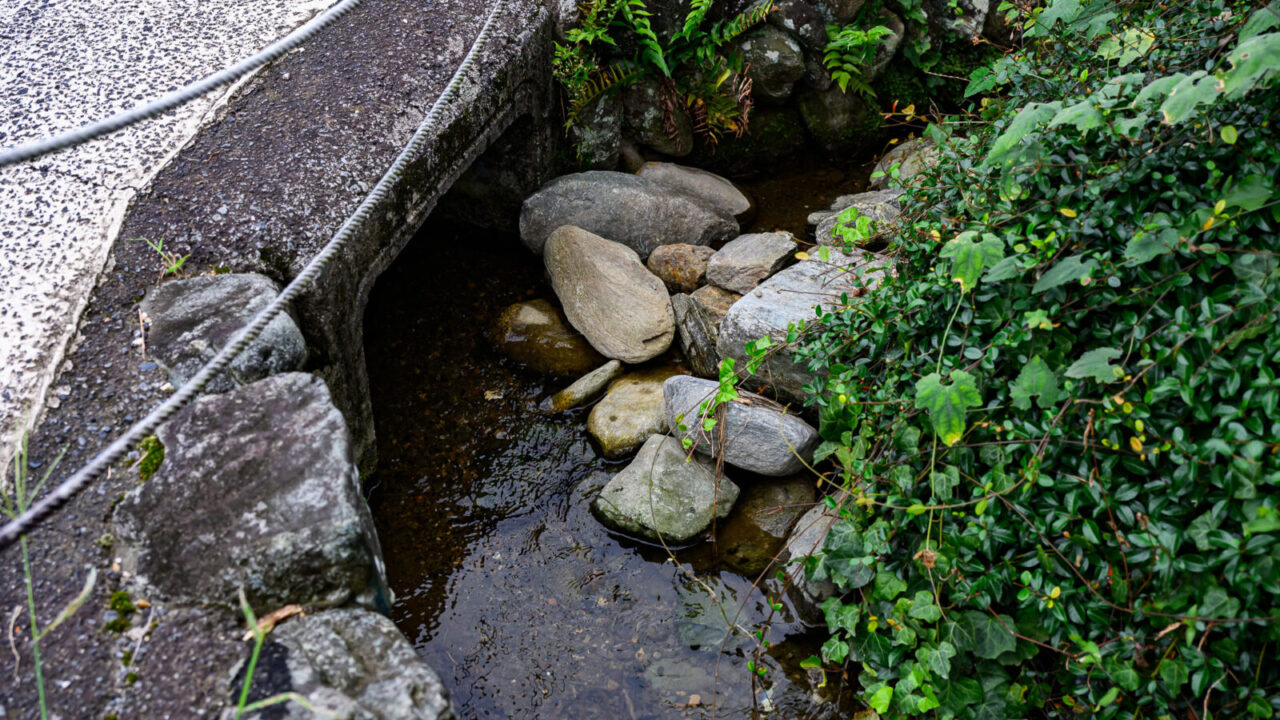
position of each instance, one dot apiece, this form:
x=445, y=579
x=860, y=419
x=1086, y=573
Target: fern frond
x=616, y=75
x=698, y=10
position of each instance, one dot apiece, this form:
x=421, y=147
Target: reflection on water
x=505, y=583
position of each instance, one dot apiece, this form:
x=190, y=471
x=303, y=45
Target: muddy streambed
x=506, y=584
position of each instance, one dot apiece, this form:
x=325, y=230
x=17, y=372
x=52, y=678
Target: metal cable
x=68, y=489
x=181, y=96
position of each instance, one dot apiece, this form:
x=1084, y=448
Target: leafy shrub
x=1058, y=425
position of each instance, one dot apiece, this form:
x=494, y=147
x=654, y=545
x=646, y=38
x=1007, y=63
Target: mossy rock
x=773, y=133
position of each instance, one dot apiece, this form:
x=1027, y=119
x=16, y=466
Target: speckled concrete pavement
x=64, y=63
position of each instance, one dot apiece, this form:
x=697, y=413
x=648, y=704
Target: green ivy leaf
x=937, y=659
x=970, y=256
x=947, y=404
x=923, y=607
x=981, y=634
x=1261, y=21
x=1036, y=379
x=1096, y=364
x=959, y=694
x=1173, y=673
x=888, y=586
x=1075, y=268
x=1148, y=245
x=835, y=650
x=879, y=700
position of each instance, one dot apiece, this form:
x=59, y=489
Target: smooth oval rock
x=717, y=192
x=682, y=268
x=631, y=410
x=622, y=308
x=748, y=259
x=635, y=211
x=660, y=496
x=759, y=435
x=789, y=297
x=537, y=335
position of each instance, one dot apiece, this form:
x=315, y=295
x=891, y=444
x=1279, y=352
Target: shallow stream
x=506, y=584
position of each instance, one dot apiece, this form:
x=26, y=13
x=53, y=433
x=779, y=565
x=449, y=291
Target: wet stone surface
x=506, y=584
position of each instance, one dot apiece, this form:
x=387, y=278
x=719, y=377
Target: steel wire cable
x=181, y=96
x=66, y=490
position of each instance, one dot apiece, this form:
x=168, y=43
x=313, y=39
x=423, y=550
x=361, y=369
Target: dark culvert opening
x=506, y=583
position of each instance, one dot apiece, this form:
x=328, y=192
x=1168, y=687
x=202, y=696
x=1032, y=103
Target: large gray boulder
x=838, y=12
x=882, y=206
x=643, y=119
x=748, y=259
x=630, y=412
x=638, y=212
x=711, y=189
x=661, y=496
x=773, y=61
x=698, y=317
x=789, y=298
x=192, y=319
x=350, y=663
x=759, y=435
x=612, y=299
x=258, y=489
x=807, y=539
x=888, y=46
x=910, y=158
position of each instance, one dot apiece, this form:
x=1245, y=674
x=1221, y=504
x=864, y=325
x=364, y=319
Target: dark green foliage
x=1059, y=424
x=124, y=608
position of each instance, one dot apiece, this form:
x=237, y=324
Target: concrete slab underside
x=259, y=190
x=64, y=63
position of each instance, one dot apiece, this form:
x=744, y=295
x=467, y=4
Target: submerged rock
x=635, y=211
x=789, y=297
x=759, y=435
x=806, y=539
x=882, y=206
x=622, y=308
x=630, y=412
x=764, y=515
x=682, y=268
x=537, y=335
x=258, y=489
x=192, y=319
x=720, y=194
x=698, y=318
x=773, y=61
x=583, y=389
x=911, y=158
x=745, y=261
x=351, y=662
x=660, y=496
